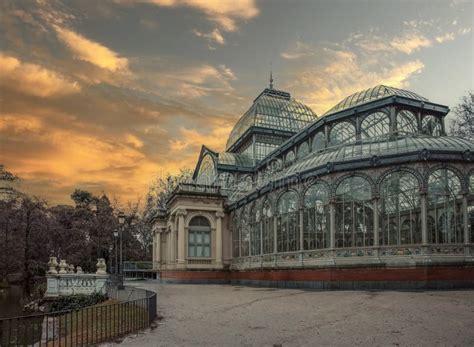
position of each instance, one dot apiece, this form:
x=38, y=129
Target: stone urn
x=101, y=266
x=79, y=270
x=53, y=262
x=70, y=269
x=63, y=266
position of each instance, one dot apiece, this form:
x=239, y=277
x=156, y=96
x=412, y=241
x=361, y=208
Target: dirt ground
x=225, y=315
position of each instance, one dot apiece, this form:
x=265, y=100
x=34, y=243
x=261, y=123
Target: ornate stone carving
x=220, y=214
x=62, y=266
x=53, y=263
x=101, y=266
x=181, y=212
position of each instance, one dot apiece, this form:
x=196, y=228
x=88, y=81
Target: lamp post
x=116, y=234
x=121, y=220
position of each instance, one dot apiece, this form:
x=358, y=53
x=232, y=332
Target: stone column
x=465, y=220
x=181, y=213
x=219, y=216
x=158, y=247
x=375, y=203
x=332, y=224
x=424, y=218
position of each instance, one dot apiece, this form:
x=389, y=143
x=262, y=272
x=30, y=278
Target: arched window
x=267, y=226
x=319, y=142
x=288, y=222
x=303, y=150
x=290, y=158
x=207, y=171
x=406, y=122
x=399, y=207
x=445, y=207
x=375, y=125
x=342, y=132
x=226, y=180
x=316, y=217
x=431, y=125
x=354, y=213
x=254, y=225
x=245, y=233
x=235, y=236
x=199, y=238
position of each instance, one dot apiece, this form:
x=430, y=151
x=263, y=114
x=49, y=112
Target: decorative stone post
x=52, y=265
x=181, y=213
x=62, y=266
x=219, y=216
x=79, y=270
x=101, y=267
x=158, y=247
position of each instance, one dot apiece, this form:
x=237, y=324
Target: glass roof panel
x=371, y=94
x=276, y=110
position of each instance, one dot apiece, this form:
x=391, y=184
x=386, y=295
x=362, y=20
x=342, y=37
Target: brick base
x=422, y=277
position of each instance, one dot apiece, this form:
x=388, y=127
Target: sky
x=108, y=95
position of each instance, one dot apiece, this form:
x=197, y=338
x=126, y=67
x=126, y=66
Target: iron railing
x=129, y=310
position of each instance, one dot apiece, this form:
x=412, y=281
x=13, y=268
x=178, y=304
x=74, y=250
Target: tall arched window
x=445, y=207
x=207, y=171
x=354, y=213
x=399, y=207
x=316, y=217
x=342, y=132
x=375, y=125
x=288, y=222
x=254, y=224
x=406, y=122
x=235, y=236
x=199, y=238
x=319, y=142
x=267, y=225
x=431, y=125
x=245, y=233
x=303, y=150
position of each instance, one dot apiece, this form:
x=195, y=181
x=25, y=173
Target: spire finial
x=271, y=76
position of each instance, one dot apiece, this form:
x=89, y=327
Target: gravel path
x=224, y=315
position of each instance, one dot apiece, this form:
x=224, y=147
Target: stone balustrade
x=70, y=280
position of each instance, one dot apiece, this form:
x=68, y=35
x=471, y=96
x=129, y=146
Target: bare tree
x=463, y=123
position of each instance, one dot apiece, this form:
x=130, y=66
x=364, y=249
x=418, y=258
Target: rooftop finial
x=271, y=77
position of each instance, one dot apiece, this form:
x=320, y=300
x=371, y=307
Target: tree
x=162, y=187
x=463, y=123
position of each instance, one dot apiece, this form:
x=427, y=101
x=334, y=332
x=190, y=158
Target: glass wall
x=207, y=171
x=342, y=132
x=406, y=122
x=375, y=125
x=288, y=222
x=431, y=125
x=245, y=234
x=254, y=224
x=445, y=224
x=354, y=213
x=316, y=232
x=399, y=207
x=267, y=226
x=303, y=150
x=319, y=142
x=470, y=208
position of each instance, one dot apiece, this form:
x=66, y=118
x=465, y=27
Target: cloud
x=225, y=13
x=445, y=37
x=410, y=43
x=299, y=51
x=213, y=36
x=33, y=79
x=406, y=43
x=134, y=141
x=91, y=52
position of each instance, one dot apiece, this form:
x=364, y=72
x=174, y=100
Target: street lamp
x=121, y=220
x=116, y=234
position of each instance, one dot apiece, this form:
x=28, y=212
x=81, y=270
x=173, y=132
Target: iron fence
x=128, y=310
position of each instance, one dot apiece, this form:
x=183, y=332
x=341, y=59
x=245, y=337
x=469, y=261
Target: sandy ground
x=224, y=315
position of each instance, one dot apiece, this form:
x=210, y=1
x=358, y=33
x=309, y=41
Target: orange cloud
x=92, y=52
x=33, y=79
x=225, y=13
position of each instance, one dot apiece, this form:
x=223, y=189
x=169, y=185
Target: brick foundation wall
x=422, y=277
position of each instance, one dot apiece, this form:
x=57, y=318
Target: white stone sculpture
x=101, y=266
x=53, y=263
x=63, y=266
x=79, y=270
